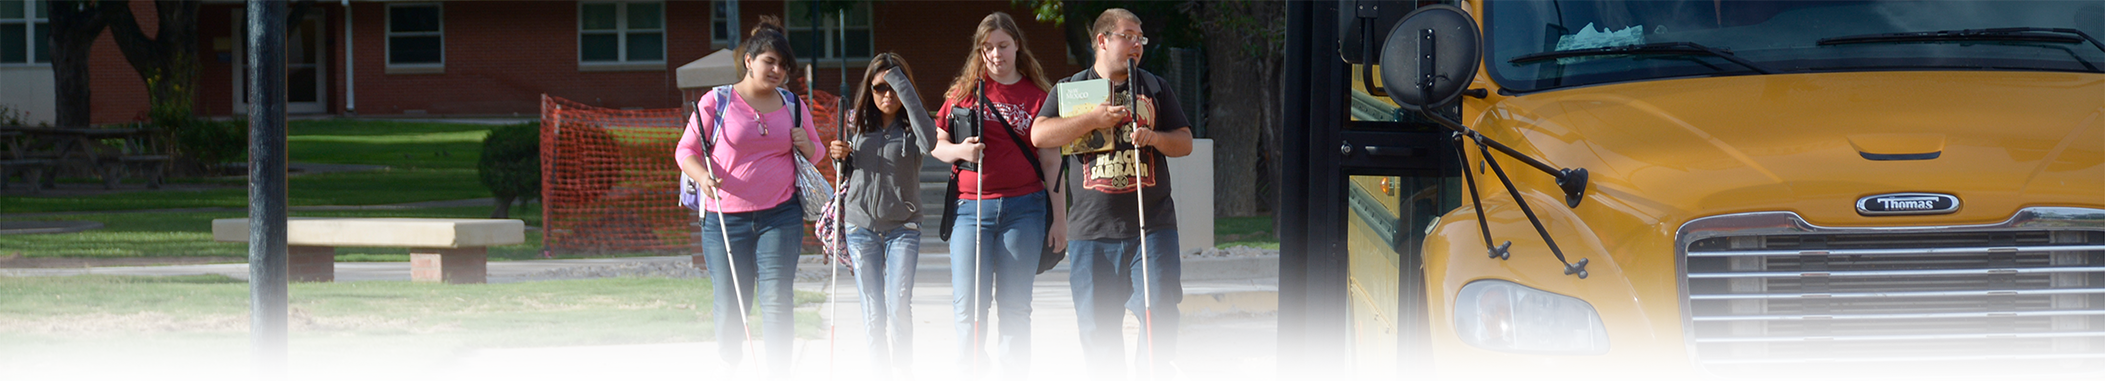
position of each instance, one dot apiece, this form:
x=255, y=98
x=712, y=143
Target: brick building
x=496, y=58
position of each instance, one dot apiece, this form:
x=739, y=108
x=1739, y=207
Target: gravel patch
x=634, y=269
x=663, y=270
x=1231, y=252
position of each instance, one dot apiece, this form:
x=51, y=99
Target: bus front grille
x=1768, y=295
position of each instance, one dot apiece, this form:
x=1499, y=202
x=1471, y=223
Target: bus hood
x=1816, y=143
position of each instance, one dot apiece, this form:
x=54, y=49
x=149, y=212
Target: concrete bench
x=440, y=249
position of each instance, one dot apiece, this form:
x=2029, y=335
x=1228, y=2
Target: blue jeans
x=764, y=245
x=884, y=277
x=1014, y=232
x=1106, y=280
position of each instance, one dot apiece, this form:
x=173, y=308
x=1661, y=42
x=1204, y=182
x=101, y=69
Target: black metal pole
x=1292, y=220
x=1329, y=85
x=818, y=39
x=267, y=276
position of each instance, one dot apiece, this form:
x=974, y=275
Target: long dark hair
x=868, y=118
x=767, y=37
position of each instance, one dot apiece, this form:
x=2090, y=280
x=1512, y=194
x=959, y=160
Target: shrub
x=511, y=165
x=203, y=144
x=210, y=143
x=10, y=116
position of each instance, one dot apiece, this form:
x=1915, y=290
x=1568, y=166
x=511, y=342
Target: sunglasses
x=881, y=88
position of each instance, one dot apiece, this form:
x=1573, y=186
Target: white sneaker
x=725, y=371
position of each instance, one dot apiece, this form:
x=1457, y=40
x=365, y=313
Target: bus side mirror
x=1430, y=57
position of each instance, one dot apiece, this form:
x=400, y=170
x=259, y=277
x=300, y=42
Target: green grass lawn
x=1245, y=231
x=49, y=312
x=427, y=162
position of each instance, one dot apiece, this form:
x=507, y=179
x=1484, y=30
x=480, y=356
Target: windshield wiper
x=2055, y=35
x=2026, y=34
x=1660, y=48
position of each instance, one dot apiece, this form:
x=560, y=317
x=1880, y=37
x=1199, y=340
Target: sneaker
x=725, y=373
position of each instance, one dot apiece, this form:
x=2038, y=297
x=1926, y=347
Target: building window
x=855, y=36
x=25, y=30
x=621, y=32
x=416, y=35
x=720, y=24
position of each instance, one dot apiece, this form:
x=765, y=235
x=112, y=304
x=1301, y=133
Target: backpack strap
x=796, y=113
x=722, y=100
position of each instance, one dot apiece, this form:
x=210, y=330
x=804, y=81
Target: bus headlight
x=1508, y=317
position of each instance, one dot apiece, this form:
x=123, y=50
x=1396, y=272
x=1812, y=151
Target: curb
x=46, y=227
x=1229, y=303
x=1233, y=268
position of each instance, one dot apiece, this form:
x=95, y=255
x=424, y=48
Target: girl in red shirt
x=1004, y=212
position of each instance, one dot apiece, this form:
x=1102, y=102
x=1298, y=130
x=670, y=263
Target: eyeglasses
x=881, y=89
x=1143, y=40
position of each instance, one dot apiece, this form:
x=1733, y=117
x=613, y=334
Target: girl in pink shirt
x=748, y=187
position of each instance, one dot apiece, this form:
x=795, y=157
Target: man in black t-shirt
x=1105, y=223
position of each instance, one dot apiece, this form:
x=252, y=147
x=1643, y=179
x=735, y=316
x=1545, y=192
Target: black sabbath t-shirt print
x=1113, y=172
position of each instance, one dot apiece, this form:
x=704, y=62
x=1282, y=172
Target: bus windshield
x=1544, y=45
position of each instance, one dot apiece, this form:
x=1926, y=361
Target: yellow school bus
x=1699, y=190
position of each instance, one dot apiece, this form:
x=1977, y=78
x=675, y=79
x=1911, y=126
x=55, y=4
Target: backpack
x=691, y=193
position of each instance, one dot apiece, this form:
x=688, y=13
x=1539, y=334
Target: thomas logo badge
x=1907, y=204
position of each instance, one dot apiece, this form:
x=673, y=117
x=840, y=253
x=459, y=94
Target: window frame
x=388, y=29
x=830, y=32
x=32, y=21
x=622, y=33
x=720, y=24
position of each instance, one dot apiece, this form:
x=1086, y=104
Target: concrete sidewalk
x=1229, y=330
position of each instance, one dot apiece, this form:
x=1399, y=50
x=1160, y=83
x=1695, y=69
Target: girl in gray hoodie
x=888, y=134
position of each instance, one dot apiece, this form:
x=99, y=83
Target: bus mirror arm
x=1571, y=180
x=1428, y=61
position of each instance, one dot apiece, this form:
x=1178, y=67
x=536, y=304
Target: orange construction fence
x=609, y=183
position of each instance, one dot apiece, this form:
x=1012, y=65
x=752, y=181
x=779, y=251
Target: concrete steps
x=935, y=176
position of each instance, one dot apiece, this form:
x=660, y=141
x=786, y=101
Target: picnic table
x=110, y=153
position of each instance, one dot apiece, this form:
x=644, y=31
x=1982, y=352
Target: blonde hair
x=975, y=69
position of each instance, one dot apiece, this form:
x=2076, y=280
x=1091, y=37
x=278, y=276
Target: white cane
x=722, y=227
x=833, y=276
x=1147, y=300
x=832, y=265
x=979, y=176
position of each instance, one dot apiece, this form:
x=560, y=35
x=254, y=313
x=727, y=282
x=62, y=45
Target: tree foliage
x=1164, y=24
x=510, y=165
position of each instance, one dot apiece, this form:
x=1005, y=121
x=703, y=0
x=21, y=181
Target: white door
x=306, y=65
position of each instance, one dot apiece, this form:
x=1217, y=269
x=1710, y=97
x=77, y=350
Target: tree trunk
x=1243, y=113
x=1234, y=121
x=1077, y=17
x=504, y=207
x=1268, y=139
x=167, y=60
x=74, y=26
